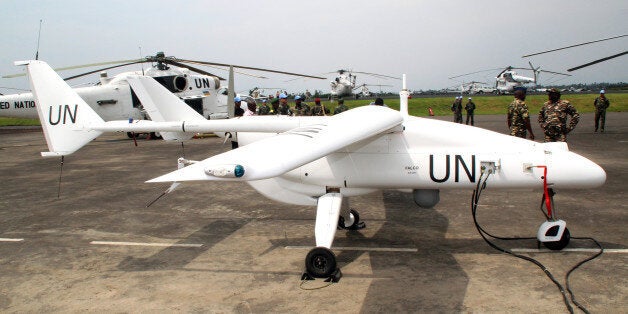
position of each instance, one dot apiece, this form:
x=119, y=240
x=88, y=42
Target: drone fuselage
x=416, y=158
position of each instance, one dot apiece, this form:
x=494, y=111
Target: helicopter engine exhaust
x=180, y=83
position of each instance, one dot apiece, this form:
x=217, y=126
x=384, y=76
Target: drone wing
x=286, y=151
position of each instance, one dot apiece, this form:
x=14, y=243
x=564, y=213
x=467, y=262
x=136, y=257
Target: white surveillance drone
x=322, y=161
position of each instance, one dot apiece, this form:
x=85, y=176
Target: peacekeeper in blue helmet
x=238, y=111
x=300, y=108
x=284, y=109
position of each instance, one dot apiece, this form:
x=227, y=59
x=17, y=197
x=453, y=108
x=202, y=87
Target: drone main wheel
x=560, y=244
x=320, y=262
x=356, y=220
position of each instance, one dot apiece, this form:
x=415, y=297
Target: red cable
x=548, y=204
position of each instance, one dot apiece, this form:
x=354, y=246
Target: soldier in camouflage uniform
x=274, y=106
x=264, y=109
x=518, y=117
x=341, y=107
x=284, y=109
x=553, y=117
x=600, y=103
x=300, y=108
x=456, y=107
x=470, y=108
x=318, y=109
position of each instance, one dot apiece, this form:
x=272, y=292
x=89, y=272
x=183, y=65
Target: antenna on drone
x=38, y=36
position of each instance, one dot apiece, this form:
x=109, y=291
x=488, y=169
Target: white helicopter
x=321, y=161
x=344, y=84
x=364, y=90
x=508, y=78
x=113, y=99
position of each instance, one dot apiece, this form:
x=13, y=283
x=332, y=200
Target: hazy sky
x=427, y=40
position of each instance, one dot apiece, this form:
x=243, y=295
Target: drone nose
x=570, y=170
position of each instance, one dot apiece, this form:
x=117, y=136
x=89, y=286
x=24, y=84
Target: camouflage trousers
x=555, y=134
x=518, y=131
x=600, y=119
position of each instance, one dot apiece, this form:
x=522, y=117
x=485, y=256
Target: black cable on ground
x=573, y=298
x=481, y=185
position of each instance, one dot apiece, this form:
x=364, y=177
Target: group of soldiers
x=279, y=106
x=557, y=117
x=456, y=107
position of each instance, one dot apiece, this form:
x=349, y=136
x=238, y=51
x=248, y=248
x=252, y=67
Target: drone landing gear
x=353, y=223
x=553, y=233
x=320, y=262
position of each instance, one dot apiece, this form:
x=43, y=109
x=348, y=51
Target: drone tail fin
x=163, y=106
x=65, y=117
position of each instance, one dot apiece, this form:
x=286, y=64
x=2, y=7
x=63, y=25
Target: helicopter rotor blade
x=85, y=66
x=183, y=65
x=102, y=69
x=239, y=72
x=504, y=70
x=582, y=44
x=99, y=64
x=378, y=75
x=552, y=72
x=453, y=77
x=597, y=61
x=18, y=89
x=250, y=68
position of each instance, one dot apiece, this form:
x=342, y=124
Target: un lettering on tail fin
x=62, y=114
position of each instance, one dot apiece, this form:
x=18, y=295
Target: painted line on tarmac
x=11, y=240
x=356, y=248
x=146, y=244
x=592, y=250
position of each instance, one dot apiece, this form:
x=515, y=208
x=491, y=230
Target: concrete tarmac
x=222, y=247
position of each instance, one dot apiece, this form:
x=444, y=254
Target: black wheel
x=356, y=220
x=130, y=134
x=560, y=244
x=320, y=262
x=155, y=135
